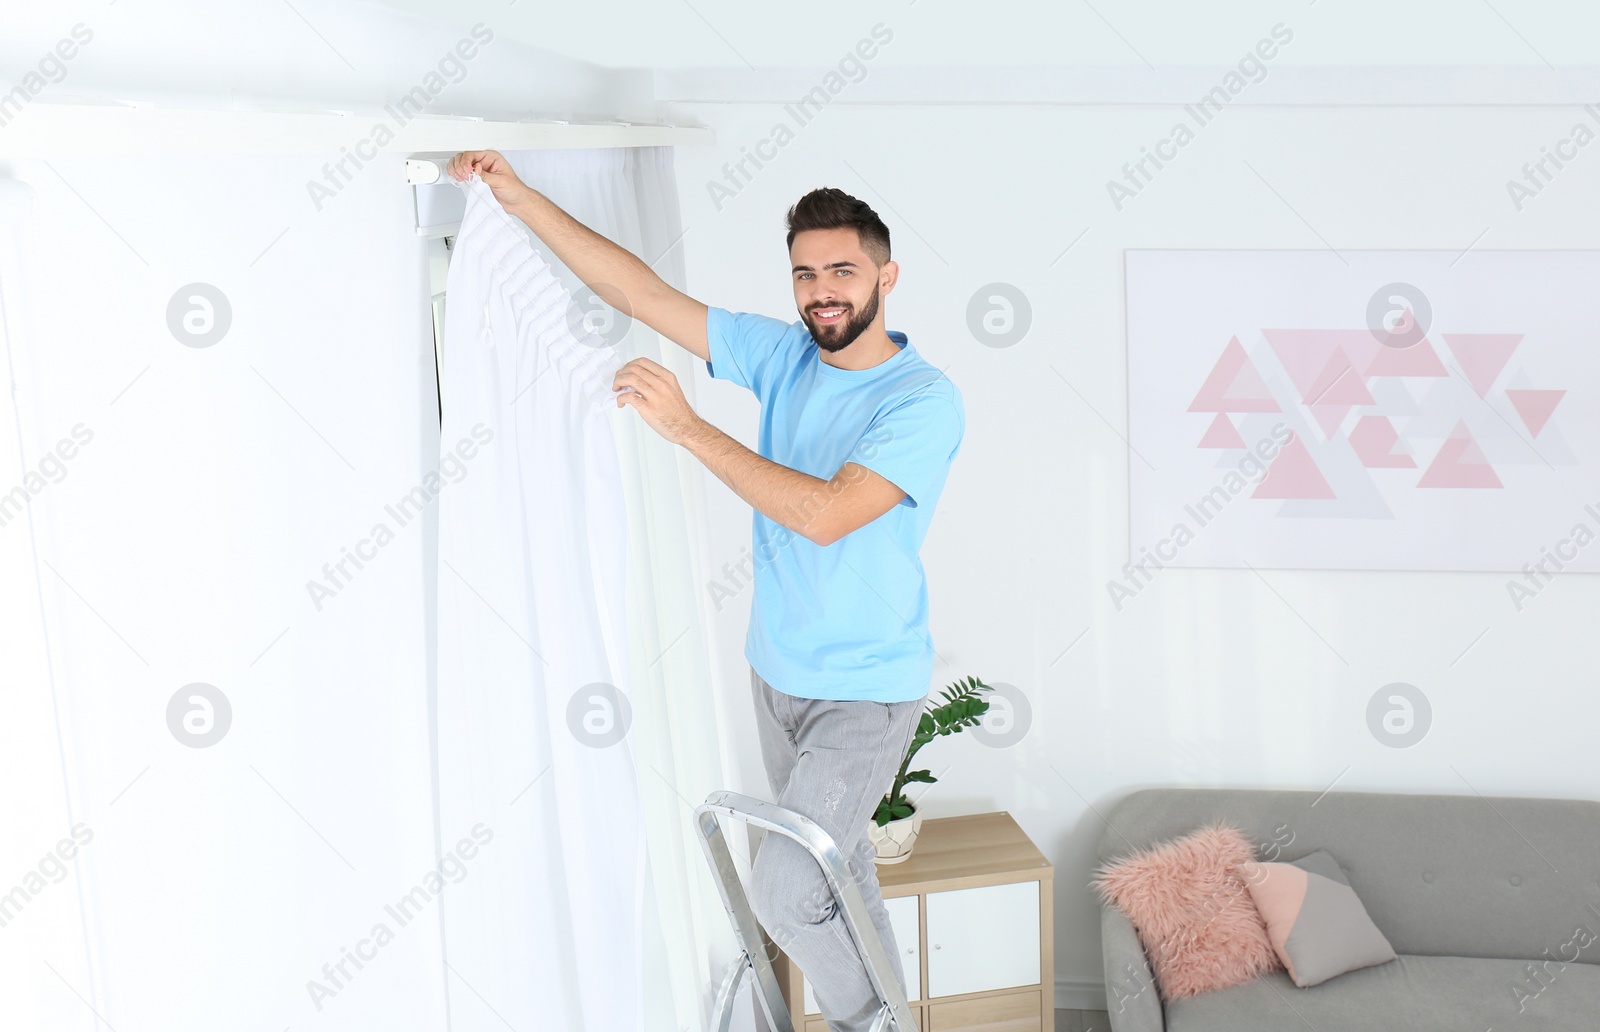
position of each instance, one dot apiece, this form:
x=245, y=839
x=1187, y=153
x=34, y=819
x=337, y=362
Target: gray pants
x=831, y=761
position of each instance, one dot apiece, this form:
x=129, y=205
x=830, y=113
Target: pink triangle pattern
x=1373, y=438
x=1293, y=474
x=1306, y=353
x=1419, y=359
x=1482, y=356
x=1222, y=434
x=1404, y=327
x=1460, y=463
x=1329, y=417
x=1534, y=406
x=1338, y=383
x=1234, y=385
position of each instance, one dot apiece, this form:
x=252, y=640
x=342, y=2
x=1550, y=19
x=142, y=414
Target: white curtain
x=221, y=485
x=532, y=683
x=248, y=841
x=576, y=714
x=34, y=805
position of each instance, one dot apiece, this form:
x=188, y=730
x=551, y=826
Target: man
x=857, y=436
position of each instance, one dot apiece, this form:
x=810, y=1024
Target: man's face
x=836, y=286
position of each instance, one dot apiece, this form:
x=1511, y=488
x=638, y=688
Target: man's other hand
x=653, y=390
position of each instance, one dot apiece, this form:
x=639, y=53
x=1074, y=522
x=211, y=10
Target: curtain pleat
x=547, y=931
x=570, y=563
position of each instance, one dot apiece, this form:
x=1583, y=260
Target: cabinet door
x=983, y=938
x=907, y=926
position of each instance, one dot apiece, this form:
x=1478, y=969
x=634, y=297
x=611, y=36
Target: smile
x=827, y=314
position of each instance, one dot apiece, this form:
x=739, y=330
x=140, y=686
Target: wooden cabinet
x=971, y=912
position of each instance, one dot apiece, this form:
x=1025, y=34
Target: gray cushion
x=1331, y=933
x=1416, y=994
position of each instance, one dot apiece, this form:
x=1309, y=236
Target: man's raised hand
x=493, y=168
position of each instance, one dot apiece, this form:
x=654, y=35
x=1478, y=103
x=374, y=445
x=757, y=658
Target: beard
x=840, y=334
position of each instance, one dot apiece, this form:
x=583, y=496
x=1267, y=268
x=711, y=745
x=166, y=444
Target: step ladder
x=895, y=1015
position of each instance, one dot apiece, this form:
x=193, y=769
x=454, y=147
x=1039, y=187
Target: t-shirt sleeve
x=912, y=444
x=745, y=347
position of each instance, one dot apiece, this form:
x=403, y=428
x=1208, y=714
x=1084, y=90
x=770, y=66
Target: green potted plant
x=897, y=822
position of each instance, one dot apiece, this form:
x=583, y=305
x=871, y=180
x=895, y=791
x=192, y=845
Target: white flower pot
x=893, y=841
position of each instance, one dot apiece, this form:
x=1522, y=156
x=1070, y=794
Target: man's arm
x=823, y=511
x=614, y=273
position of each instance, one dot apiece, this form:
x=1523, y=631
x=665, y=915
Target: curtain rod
x=50, y=130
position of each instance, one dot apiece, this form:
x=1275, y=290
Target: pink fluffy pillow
x=1189, y=904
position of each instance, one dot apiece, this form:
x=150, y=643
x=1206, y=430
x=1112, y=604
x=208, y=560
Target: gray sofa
x=1482, y=898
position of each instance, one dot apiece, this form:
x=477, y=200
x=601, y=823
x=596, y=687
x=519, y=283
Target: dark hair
x=829, y=208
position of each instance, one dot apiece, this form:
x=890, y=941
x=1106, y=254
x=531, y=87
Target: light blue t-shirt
x=848, y=620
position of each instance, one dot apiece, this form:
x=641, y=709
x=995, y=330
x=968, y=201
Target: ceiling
x=672, y=34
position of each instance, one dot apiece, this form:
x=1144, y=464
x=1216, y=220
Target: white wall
x=1208, y=677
